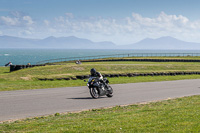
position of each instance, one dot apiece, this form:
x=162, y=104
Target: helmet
x=92, y=71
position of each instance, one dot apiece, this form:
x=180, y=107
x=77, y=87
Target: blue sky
x=119, y=21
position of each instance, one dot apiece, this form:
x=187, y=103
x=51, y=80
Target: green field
x=28, y=78
x=178, y=115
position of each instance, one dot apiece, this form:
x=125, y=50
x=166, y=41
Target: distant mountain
x=70, y=42
x=168, y=43
x=16, y=42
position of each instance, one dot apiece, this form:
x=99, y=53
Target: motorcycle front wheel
x=110, y=90
x=94, y=92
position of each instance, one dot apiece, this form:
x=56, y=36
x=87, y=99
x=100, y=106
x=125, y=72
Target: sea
x=34, y=56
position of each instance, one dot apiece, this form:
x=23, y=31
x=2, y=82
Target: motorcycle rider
x=94, y=73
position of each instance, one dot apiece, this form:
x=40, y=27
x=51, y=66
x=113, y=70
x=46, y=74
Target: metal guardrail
x=118, y=56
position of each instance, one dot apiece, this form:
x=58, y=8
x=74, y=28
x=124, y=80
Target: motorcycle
x=98, y=88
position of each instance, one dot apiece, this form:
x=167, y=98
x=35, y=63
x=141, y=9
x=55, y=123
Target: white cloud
x=122, y=31
x=16, y=20
x=9, y=21
x=28, y=20
x=131, y=28
x=168, y=22
x=164, y=25
x=46, y=22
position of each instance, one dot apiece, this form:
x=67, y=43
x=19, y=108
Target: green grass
x=4, y=70
x=177, y=115
x=27, y=85
x=28, y=78
x=169, y=57
x=71, y=69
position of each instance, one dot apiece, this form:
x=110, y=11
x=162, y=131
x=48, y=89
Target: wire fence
x=118, y=56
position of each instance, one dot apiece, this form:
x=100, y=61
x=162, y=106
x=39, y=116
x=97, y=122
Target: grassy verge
x=28, y=78
x=167, y=57
x=27, y=85
x=153, y=57
x=4, y=70
x=177, y=115
x=71, y=69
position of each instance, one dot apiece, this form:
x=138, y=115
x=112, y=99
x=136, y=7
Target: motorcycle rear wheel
x=94, y=92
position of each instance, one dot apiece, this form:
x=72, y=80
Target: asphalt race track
x=31, y=103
